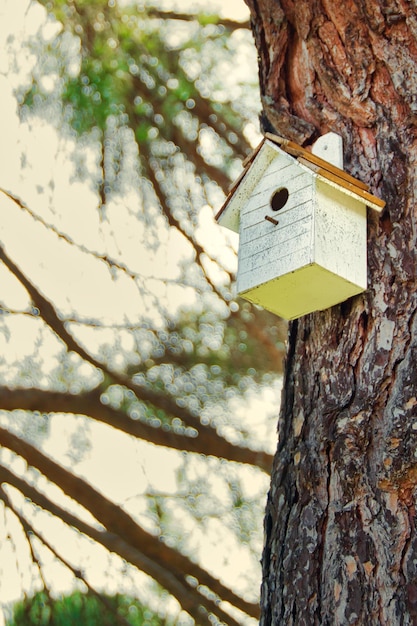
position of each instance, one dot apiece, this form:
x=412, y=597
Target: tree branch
x=28, y=528
x=189, y=598
x=104, y=258
x=201, y=18
x=159, y=400
x=119, y=522
x=172, y=221
x=89, y=404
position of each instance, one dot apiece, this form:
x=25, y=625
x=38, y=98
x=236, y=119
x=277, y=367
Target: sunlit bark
x=340, y=530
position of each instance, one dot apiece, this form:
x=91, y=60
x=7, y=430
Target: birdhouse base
x=310, y=288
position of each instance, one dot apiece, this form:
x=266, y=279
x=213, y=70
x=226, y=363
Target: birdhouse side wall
x=340, y=234
x=268, y=250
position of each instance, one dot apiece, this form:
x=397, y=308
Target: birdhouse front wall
x=265, y=249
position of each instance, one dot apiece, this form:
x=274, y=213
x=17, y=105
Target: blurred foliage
x=155, y=111
x=158, y=76
x=82, y=609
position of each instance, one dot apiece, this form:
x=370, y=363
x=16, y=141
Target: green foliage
x=79, y=609
x=161, y=82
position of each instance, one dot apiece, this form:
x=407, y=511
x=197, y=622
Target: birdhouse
x=302, y=227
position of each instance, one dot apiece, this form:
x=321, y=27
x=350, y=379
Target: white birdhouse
x=302, y=227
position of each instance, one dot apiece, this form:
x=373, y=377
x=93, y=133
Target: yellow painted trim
x=311, y=288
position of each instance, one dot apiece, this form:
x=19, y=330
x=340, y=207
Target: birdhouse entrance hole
x=279, y=198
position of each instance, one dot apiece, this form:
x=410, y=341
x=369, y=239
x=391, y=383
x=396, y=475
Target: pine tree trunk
x=340, y=537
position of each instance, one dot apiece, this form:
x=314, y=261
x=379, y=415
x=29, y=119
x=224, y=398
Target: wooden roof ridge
x=246, y=166
x=327, y=170
x=301, y=153
x=319, y=166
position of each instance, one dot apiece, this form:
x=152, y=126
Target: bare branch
x=104, y=258
x=89, y=404
x=28, y=528
x=166, y=403
x=119, y=522
x=188, y=597
x=186, y=145
x=173, y=222
x=202, y=18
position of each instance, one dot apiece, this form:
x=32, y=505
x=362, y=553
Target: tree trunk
x=340, y=537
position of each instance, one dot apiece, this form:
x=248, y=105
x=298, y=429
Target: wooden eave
x=332, y=174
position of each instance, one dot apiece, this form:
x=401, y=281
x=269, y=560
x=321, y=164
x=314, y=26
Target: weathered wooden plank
x=276, y=235
x=273, y=267
x=262, y=230
x=262, y=202
x=259, y=263
x=286, y=238
x=257, y=216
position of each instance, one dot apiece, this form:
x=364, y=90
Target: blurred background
x=138, y=396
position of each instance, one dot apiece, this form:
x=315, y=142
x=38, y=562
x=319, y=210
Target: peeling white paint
x=386, y=334
x=341, y=423
x=379, y=299
x=392, y=251
x=351, y=566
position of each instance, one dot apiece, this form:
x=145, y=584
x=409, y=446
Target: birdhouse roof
x=270, y=147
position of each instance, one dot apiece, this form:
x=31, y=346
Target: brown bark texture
x=340, y=536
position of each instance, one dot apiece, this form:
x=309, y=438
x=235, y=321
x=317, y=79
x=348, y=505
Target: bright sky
x=234, y=9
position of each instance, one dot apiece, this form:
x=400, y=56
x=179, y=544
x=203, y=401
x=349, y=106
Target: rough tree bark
x=340, y=536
